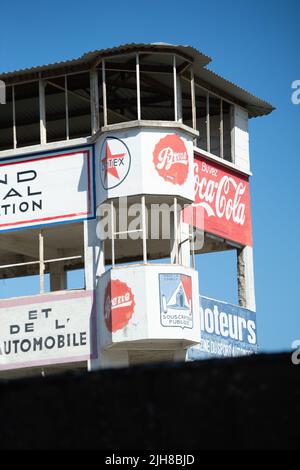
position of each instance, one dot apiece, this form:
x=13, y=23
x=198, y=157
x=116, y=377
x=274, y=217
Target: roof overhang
x=204, y=77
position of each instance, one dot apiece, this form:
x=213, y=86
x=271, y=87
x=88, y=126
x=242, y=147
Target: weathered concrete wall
x=243, y=403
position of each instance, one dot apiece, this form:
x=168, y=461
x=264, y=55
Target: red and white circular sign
x=115, y=162
x=170, y=158
x=119, y=305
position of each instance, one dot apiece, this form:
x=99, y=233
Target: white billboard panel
x=46, y=189
x=47, y=329
x=148, y=303
x=144, y=161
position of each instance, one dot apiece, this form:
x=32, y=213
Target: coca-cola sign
x=170, y=158
x=223, y=196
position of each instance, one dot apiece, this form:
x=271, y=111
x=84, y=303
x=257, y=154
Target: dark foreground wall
x=243, y=403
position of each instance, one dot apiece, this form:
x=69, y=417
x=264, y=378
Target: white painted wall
x=240, y=139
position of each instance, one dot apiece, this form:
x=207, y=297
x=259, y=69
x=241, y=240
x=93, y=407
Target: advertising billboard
x=46, y=189
x=226, y=331
x=47, y=329
x=144, y=161
x=223, y=197
x=140, y=304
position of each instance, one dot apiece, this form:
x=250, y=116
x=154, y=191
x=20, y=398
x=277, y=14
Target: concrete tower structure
x=122, y=166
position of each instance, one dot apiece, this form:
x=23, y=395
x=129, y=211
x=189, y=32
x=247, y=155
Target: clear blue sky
x=253, y=43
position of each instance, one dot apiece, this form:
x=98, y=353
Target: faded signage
x=170, y=158
x=226, y=331
x=144, y=161
x=41, y=190
x=115, y=162
x=176, y=308
x=139, y=304
x=119, y=305
x=48, y=329
x=223, y=196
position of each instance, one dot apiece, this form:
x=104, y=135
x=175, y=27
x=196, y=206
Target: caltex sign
x=142, y=160
x=115, y=162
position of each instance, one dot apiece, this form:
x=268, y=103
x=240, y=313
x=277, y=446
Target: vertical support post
x=43, y=132
x=221, y=130
x=67, y=108
x=14, y=117
x=174, y=234
x=92, y=267
x=144, y=229
x=179, y=100
x=42, y=262
x=207, y=122
x=92, y=254
x=112, y=224
x=184, y=238
x=193, y=97
x=138, y=87
x=58, y=277
x=232, y=132
x=192, y=237
x=94, y=101
x=104, y=93
x=246, y=288
x=175, y=88
x=176, y=229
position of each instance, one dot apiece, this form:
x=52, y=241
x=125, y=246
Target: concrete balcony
x=145, y=158
x=152, y=306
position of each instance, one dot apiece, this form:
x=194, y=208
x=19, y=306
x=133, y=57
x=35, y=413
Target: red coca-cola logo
x=171, y=160
x=222, y=198
x=222, y=201
x=119, y=305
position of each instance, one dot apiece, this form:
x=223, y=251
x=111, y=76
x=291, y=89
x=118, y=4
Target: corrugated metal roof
x=254, y=105
x=88, y=57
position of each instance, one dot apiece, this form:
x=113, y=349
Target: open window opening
x=157, y=86
x=6, y=121
x=138, y=86
x=68, y=110
x=217, y=268
x=36, y=261
x=20, y=116
x=139, y=230
x=119, y=89
x=214, y=123
x=186, y=90
x=27, y=114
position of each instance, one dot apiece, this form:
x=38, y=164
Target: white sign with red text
x=223, y=196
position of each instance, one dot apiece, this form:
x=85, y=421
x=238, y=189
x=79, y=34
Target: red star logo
x=108, y=163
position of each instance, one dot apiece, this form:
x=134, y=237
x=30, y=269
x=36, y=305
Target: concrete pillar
x=58, y=277
x=179, y=99
x=246, y=288
x=180, y=355
x=175, y=232
x=94, y=101
x=114, y=358
x=94, y=267
x=185, y=245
